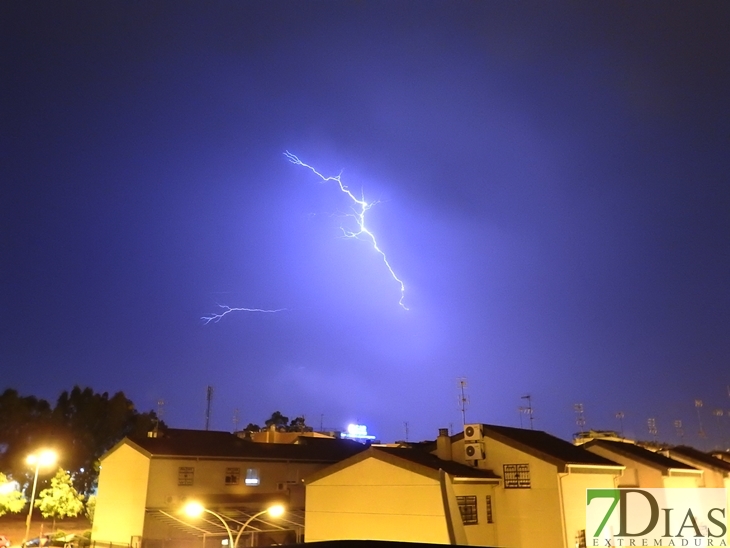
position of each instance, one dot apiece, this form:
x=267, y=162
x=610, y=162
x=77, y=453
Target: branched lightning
x=227, y=310
x=360, y=209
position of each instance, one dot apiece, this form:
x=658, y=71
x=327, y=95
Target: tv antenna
x=527, y=410
x=620, y=416
x=580, y=418
x=463, y=398
x=208, y=402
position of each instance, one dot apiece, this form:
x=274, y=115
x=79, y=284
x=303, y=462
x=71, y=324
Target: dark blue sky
x=554, y=186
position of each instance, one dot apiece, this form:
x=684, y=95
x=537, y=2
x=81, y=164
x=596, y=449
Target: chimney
x=443, y=444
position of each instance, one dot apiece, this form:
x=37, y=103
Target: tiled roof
x=690, y=453
x=633, y=451
x=545, y=446
x=431, y=461
x=213, y=444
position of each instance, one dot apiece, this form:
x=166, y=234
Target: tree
x=11, y=500
x=81, y=428
x=298, y=424
x=90, y=508
x=60, y=500
x=278, y=420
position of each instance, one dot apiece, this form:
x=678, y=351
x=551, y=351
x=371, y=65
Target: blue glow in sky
x=552, y=187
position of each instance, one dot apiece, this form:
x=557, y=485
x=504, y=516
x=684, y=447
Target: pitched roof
x=428, y=460
x=636, y=452
x=414, y=460
x=213, y=444
x=545, y=446
x=692, y=454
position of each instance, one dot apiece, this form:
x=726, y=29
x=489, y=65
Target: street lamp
x=194, y=509
x=43, y=458
x=274, y=511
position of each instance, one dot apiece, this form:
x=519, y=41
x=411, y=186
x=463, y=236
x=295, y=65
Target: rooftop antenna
x=620, y=416
x=580, y=418
x=651, y=423
x=678, y=428
x=160, y=412
x=405, y=424
x=463, y=398
x=698, y=406
x=527, y=410
x=236, y=420
x=208, y=400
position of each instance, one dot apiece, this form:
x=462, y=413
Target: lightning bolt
x=360, y=208
x=215, y=318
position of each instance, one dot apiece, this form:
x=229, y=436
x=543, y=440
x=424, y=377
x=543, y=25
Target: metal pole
x=249, y=520
x=225, y=524
x=32, y=499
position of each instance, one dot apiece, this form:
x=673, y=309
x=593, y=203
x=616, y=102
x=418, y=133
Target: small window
x=580, y=539
x=490, y=518
x=185, y=475
x=516, y=476
x=252, y=476
x=233, y=476
x=468, y=509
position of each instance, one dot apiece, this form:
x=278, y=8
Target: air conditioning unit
x=473, y=450
x=473, y=432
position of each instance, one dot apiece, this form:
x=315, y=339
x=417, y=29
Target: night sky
x=553, y=187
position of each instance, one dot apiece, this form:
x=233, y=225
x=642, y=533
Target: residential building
x=715, y=472
x=646, y=468
x=400, y=494
x=144, y=484
x=489, y=485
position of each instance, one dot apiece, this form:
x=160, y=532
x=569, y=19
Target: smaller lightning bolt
x=359, y=216
x=227, y=310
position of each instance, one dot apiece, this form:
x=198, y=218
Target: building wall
x=523, y=518
x=372, y=499
x=574, y=485
x=209, y=478
x=120, y=502
x=482, y=533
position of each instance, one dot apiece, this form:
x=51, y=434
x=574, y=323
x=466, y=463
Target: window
x=185, y=475
x=252, y=476
x=233, y=476
x=490, y=518
x=580, y=539
x=516, y=476
x=468, y=509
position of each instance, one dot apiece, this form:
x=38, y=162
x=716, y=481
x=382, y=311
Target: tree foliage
x=60, y=500
x=281, y=422
x=11, y=500
x=81, y=427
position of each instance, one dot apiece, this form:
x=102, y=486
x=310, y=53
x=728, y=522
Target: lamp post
x=194, y=509
x=274, y=511
x=44, y=458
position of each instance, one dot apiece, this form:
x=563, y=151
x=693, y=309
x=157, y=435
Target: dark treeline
x=81, y=427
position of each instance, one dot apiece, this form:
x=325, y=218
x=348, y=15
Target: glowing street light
x=43, y=458
x=195, y=509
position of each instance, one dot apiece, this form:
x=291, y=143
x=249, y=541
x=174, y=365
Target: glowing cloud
x=360, y=208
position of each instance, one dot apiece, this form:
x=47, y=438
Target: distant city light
x=357, y=432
